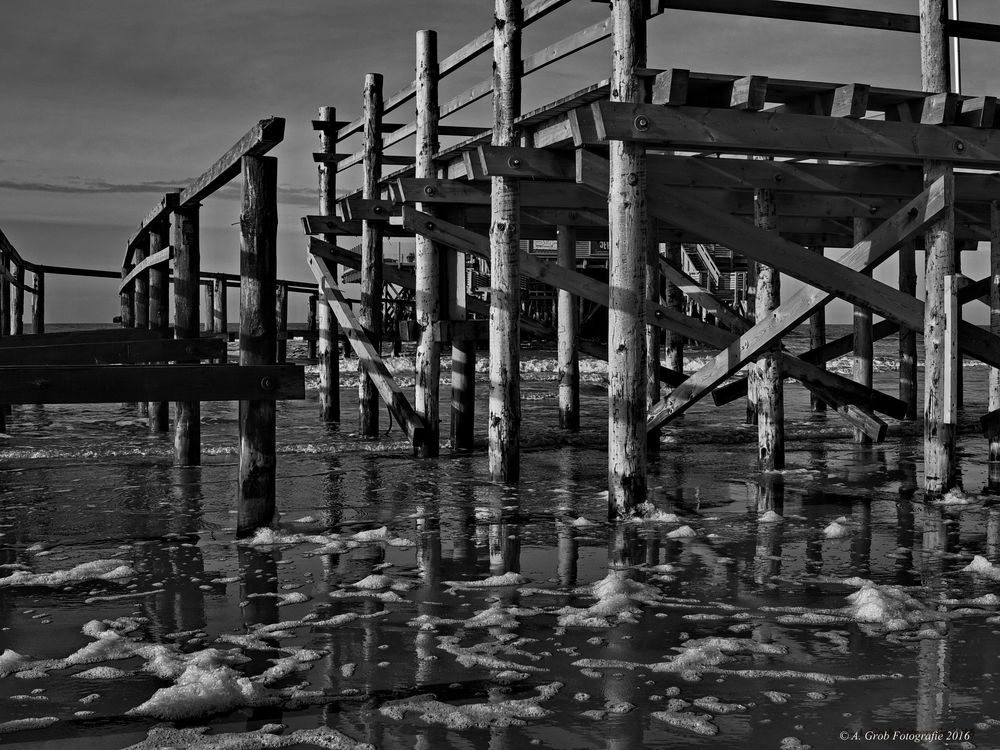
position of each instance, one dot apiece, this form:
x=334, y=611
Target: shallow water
x=717, y=623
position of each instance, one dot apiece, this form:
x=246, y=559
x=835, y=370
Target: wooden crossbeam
x=526, y=162
x=795, y=11
x=115, y=352
x=391, y=274
x=866, y=254
x=158, y=213
x=97, y=335
x=559, y=194
x=162, y=256
x=97, y=384
x=849, y=100
x=330, y=225
x=368, y=357
x=260, y=139
x=372, y=209
x=703, y=298
x=782, y=134
x=462, y=330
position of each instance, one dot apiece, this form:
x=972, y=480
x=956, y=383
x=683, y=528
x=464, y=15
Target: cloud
x=88, y=186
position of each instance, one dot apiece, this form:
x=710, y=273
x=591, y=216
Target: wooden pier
x=670, y=168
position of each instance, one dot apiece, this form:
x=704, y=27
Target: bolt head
x=267, y=383
x=959, y=146
x=514, y=162
x=642, y=122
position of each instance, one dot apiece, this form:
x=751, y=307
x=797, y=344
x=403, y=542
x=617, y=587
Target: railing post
x=18, y=321
x=207, y=305
x=327, y=344
x=628, y=257
x=311, y=325
x=371, y=252
x=568, y=321
x=141, y=316
x=281, y=319
x=187, y=265
x=428, y=255
x=505, y=291
x=940, y=308
x=220, y=311
x=38, y=305
x=159, y=315
x=258, y=263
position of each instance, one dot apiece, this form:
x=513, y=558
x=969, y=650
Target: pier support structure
x=371, y=252
x=327, y=345
x=187, y=266
x=862, y=368
x=568, y=337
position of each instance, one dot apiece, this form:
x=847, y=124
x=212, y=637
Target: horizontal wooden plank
x=465, y=131
x=808, y=12
x=575, y=42
x=781, y=134
x=372, y=209
x=260, y=139
x=462, y=330
x=97, y=335
x=115, y=352
x=515, y=161
x=97, y=384
x=325, y=157
x=330, y=225
x=162, y=256
x=328, y=126
x=368, y=357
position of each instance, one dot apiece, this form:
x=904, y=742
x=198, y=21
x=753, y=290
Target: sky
x=107, y=104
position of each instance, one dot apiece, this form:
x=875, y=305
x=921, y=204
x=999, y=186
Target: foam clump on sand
x=955, y=496
x=102, y=673
x=697, y=723
x=373, y=582
x=507, y=579
x=884, y=605
x=683, y=532
x=771, y=517
x=18, y=725
x=201, y=691
x=615, y=595
x=980, y=566
x=836, y=530
x=479, y=715
x=649, y=512
x=197, y=738
x=95, y=570
x=11, y=661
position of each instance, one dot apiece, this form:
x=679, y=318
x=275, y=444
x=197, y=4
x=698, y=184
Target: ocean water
x=407, y=603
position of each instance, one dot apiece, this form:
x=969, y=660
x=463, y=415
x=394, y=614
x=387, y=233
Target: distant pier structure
x=672, y=198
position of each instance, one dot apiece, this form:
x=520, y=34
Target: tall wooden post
x=38, y=306
x=258, y=276
x=220, y=310
x=505, y=292
x=281, y=318
x=327, y=344
x=863, y=346
x=994, y=390
x=674, y=350
x=817, y=338
x=187, y=265
x=628, y=259
x=654, y=334
x=940, y=306
x=568, y=318
x=18, y=319
x=311, y=325
x=371, y=252
x=159, y=317
x=208, y=306
x=767, y=369
x=908, y=336
x=5, y=299
x=141, y=315
x=127, y=297
x=428, y=256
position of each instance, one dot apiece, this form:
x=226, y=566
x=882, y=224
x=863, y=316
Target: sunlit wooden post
x=370, y=312
x=817, y=338
x=208, y=306
x=220, y=311
x=258, y=330
x=140, y=316
x=568, y=336
x=674, y=349
x=38, y=305
x=863, y=346
x=628, y=258
x=159, y=315
x=908, y=336
x=17, y=322
x=941, y=313
x=328, y=348
x=505, y=292
x=187, y=265
x=428, y=257
x=281, y=317
x=767, y=369
x=994, y=388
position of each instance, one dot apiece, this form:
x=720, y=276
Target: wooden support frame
x=113, y=352
x=327, y=345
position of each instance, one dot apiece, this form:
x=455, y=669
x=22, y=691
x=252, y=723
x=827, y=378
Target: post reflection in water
x=769, y=497
x=259, y=602
x=427, y=529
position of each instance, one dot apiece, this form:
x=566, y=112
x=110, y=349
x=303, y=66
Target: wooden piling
x=187, y=264
x=258, y=329
x=940, y=325
x=38, y=304
x=159, y=319
x=767, y=369
x=568, y=317
x=505, y=293
x=5, y=297
x=628, y=259
x=220, y=309
x=817, y=338
x=674, y=349
x=140, y=299
x=208, y=306
x=327, y=345
x=17, y=323
x=428, y=257
x=994, y=389
x=281, y=319
x=371, y=252
x=908, y=336
x=862, y=368
x=311, y=326
x=654, y=335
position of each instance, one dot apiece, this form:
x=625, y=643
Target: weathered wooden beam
x=95, y=384
x=702, y=297
x=795, y=11
x=98, y=335
x=281, y=319
x=157, y=215
x=849, y=100
x=368, y=357
x=154, y=259
x=374, y=209
x=330, y=225
x=328, y=346
x=17, y=313
x=159, y=313
x=781, y=134
x=258, y=329
x=461, y=330
x=260, y=139
x=863, y=365
x=114, y=352
x=515, y=161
